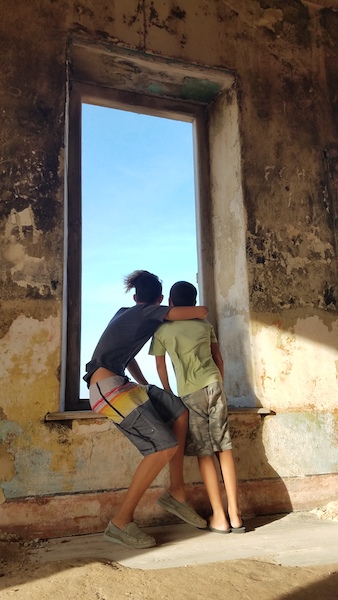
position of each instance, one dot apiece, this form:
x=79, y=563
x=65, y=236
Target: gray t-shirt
x=124, y=337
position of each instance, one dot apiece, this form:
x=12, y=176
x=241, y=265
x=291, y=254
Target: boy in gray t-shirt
x=153, y=420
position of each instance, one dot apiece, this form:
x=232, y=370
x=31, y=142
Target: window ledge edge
x=74, y=415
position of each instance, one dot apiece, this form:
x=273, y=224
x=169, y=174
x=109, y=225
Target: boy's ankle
x=178, y=494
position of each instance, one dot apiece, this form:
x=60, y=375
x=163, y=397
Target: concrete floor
x=297, y=539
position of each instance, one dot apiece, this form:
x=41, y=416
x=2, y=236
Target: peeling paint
x=30, y=354
x=289, y=255
x=270, y=18
x=20, y=231
x=22, y=224
x=82, y=428
x=295, y=366
x=273, y=122
x=200, y=90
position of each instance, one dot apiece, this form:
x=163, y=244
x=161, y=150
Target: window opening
x=138, y=212
x=205, y=99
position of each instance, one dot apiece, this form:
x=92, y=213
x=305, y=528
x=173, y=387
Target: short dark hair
x=148, y=287
x=183, y=293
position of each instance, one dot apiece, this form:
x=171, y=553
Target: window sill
x=72, y=415
x=78, y=415
x=253, y=410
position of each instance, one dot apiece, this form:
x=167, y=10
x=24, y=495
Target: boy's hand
x=182, y=313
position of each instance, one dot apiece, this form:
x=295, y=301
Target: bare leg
x=228, y=469
x=176, y=488
x=174, y=500
x=149, y=467
x=210, y=477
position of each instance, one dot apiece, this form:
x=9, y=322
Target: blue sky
x=138, y=212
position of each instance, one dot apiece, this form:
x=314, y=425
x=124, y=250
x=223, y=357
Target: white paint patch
x=238, y=293
x=18, y=222
x=26, y=270
x=268, y=170
x=297, y=368
x=235, y=348
x=83, y=428
x=26, y=348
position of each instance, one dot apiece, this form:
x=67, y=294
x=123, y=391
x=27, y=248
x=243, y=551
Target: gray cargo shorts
x=208, y=430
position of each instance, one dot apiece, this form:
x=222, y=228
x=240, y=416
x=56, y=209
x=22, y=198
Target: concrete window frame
x=109, y=76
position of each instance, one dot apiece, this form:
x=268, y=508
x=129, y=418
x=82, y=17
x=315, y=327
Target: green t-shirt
x=188, y=344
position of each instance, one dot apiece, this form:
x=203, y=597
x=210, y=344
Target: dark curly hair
x=148, y=287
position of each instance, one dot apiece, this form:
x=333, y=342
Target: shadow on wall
x=261, y=490
x=238, y=361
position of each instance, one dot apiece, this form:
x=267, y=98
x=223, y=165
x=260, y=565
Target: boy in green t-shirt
x=198, y=365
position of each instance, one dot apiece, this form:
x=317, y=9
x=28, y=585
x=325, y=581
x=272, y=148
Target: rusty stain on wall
x=7, y=470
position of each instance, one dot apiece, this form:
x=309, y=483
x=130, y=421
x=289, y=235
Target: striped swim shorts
x=144, y=414
x=115, y=397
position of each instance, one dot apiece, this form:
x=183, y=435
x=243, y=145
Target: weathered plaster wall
x=280, y=310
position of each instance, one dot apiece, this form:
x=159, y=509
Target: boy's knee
x=162, y=457
x=170, y=452
x=184, y=417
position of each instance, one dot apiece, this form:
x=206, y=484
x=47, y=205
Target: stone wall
x=66, y=477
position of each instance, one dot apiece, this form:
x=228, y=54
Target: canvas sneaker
x=131, y=536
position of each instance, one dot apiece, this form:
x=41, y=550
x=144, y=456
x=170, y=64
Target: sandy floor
x=234, y=580
x=23, y=579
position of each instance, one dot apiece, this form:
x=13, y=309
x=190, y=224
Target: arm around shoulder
x=182, y=313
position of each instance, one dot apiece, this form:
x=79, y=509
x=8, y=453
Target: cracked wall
x=276, y=295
